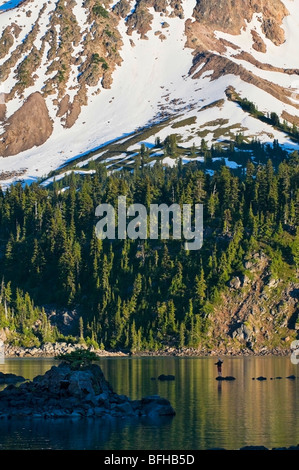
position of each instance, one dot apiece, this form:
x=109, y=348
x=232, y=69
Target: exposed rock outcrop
x=29, y=126
x=122, y=8
x=94, y=61
x=72, y=47
x=140, y=19
x=10, y=378
x=261, y=312
x=2, y=106
x=258, y=43
x=220, y=66
x=230, y=17
x=2, y=111
x=63, y=392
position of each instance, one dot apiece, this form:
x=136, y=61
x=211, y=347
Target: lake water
x=9, y=5
x=209, y=414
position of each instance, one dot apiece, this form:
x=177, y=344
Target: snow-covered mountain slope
x=76, y=75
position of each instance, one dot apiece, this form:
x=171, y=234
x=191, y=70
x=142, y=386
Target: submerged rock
x=63, y=392
x=155, y=405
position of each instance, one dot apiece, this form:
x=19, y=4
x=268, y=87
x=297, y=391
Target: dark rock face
x=62, y=392
x=10, y=378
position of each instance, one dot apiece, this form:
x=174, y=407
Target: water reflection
x=209, y=413
x=70, y=434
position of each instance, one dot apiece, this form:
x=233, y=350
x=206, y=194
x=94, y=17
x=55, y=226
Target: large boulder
x=235, y=283
x=242, y=332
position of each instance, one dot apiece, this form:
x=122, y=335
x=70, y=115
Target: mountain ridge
x=105, y=70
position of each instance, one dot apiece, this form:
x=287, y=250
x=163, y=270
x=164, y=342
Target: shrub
x=98, y=10
x=78, y=359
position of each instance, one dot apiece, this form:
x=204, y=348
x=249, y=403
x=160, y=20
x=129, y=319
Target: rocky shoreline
x=52, y=350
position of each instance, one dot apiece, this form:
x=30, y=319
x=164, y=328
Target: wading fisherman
x=219, y=367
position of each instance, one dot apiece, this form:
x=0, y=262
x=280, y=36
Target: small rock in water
x=166, y=377
x=261, y=378
x=254, y=448
x=292, y=377
x=229, y=378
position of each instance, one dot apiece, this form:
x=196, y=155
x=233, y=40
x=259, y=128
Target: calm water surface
x=209, y=414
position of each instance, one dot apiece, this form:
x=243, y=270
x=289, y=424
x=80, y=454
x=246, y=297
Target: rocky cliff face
x=258, y=313
x=230, y=16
